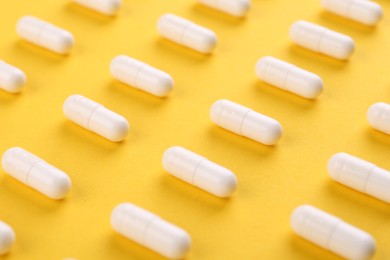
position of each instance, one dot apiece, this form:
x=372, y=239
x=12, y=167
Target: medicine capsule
x=246, y=122
x=289, y=77
x=12, y=79
x=7, y=238
x=150, y=231
x=108, y=7
x=36, y=173
x=378, y=117
x=200, y=172
x=96, y=118
x=332, y=233
x=237, y=8
x=322, y=40
x=142, y=76
x=360, y=175
x=187, y=33
x=45, y=34
x=363, y=11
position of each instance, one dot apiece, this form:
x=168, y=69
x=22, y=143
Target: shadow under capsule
x=32, y=51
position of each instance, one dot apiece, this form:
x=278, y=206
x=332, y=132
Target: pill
x=237, y=8
x=187, y=33
x=363, y=11
x=108, y=7
x=150, y=231
x=12, y=79
x=7, y=238
x=378, y=117
x=289, y=77
x=45, y=34
x=142, y=76
x=246, y=122
x=332, y=233
x=96, y=118
x=360, y=175
x=36, y=173
x=322, y=40
x=200, y=172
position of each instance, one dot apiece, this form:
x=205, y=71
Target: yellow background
x=254, y=223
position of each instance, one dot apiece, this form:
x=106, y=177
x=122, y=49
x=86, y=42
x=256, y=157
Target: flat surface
x=254, y=223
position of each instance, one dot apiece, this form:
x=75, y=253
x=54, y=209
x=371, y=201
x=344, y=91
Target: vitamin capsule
x=363, y=11
x=150, y=231
x=200, y=172
x=360, y=175
x=187, y=33
x=12, y=79
x=378, y=116
x=332, y=233
x=246, y=122
x=108, y=7
x=322, y=40
x=289, y=77
x=142, y=76
x=36, y=173
x=237, y=8
x=45, y=34
x=7, y=238
x=96, y=118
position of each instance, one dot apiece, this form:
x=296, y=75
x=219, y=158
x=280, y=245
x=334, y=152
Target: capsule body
x=360, y=175
x=363, y=11
x=237, y=8
x=108, y=7
x=187, y=33
x=200, y=172
x=322, y=40
x=378, y=117
x=142, y=76
x=45, y=34
x=332, y=233
x=289, y=77
x=246, y=122
x=12, y=79
x=150, y=231
x=7, y=238
x=36, y=173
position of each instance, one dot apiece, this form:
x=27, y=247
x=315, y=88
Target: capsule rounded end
x=295, y=29
x=335, y=165
x=7, y=155
x=209, y=44
x=346, y=49
x=316, y=87
x=16, y=82
x=66, y=44
x=60, y=188
x=241, y=8
x=120, y=130
x=261, y=66
x=227, y=186
x=180, y=246
x=164, y=86
x=117, y=214
x=112, y=7
x=375, y=114
x=273, y=134
x=375, y=14
x=7, y=238
x=216, y=110
x=169, y=157
x=366, y=247
x=299, y=217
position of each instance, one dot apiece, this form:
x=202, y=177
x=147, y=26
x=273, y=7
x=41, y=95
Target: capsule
x=238, y=8
x=187, y=33
x=107, y=7
x=289, y=77
x=150, y=231
x=246, y=122
x=96, y=118
x=378, y=117
x=12, y=79
x=7, y=238
x=332, y=233
x=36, y=173
x=360, y=175
x=142, y=76
x=322, y=40
x=45, y=34
x=200, y=172
x=363, y=11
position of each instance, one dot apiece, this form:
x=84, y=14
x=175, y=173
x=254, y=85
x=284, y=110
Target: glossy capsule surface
x=7, y=238
x=12, y=79
x=238, y=8
x=108, y=7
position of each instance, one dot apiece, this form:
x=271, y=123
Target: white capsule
x=200, y=172
x=289, y=77
x=142, y=76
x=36, y=173
x=332, y=233
x=7, y=238
x=108, y=7
x=96, y=118
x=187, y=33
x=322, y=40
x=378, y=117
x=12, y=79
x=150, y=231
x=237, y=8
x=45, y=34
x=363, y=11
x=360, y=175
x=246, y=122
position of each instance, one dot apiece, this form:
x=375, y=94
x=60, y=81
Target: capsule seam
x=40, y=33
x=183, y=32
x=287, y=74
x=332, y=233
x=147, y=228
x=243, y=120
x=320, y=41
x=28, y=173
x=89, y=118
x=368, y=177
x=196, y=169
x=138, y=73
x=348, y=14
